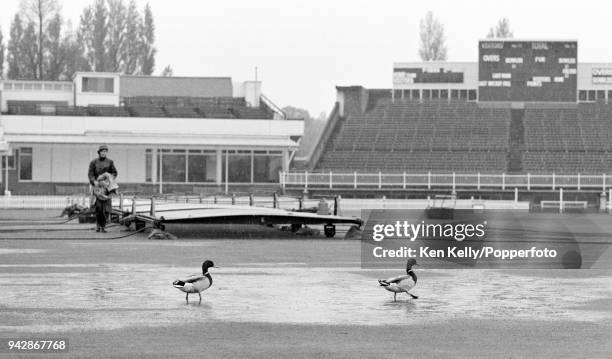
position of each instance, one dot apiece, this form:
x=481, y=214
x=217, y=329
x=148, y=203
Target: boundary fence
x=452, y=181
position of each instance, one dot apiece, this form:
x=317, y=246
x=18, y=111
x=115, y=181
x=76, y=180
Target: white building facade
x=165, y=134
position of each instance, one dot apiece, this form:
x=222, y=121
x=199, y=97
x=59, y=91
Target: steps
x=516, y=141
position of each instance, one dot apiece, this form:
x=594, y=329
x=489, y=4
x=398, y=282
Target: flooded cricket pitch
x=97, y=292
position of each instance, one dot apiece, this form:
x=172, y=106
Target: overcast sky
x=304, y=48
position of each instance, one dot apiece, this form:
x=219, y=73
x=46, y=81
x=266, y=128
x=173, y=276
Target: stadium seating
x=568, y=140
x=415, y=162
x=180, y=111
x=463, y=136
x=215, y=112
x=108, y=111
x=71, y=111
x=33, y=107
x=421, y=136
x=250, y=112
x=146, y=111
x=148, y=106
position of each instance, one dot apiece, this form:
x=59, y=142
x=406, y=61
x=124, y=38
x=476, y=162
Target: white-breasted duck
x=196, y=283
x=401, y=284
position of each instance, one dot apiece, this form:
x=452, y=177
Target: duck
x=196, y=283
x=401, y=284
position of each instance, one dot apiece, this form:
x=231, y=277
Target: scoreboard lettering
x=427, y=75
x=530, y=71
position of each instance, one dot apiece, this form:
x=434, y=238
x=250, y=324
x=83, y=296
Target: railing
x=279, y=114
x=41, y=202
x=476, y=181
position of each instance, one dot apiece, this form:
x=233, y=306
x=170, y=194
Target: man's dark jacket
x=99, y=166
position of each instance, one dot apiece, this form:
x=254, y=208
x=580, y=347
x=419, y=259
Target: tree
x=54, y=66
x=167, y=71
x=28, y=48
x=115, y=41
x=92, y=35
x=73, y=55
x=1, y=54
x=100, y=31
x=14, y=58
x=501, y=30
x=147, y=40
x=39, y=13
x=114, y=37
x=433, y=42
x=131, y=50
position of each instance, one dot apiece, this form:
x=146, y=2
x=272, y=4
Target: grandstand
x=508, y=117
x=420, y=136
x=166, y=134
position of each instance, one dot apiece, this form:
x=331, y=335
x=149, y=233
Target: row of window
x=472, y=95
x=593, y=95
x=189, y=166
x=453, y=94
x=44, y=86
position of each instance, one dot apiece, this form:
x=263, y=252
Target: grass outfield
x=274, y=298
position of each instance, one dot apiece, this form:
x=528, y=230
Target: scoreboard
x=426, y=75
x=530, y=71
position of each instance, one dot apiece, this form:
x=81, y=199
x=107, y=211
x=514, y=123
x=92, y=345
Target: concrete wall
x=73, y=125
x=352, y=100
x=96, y=98
x=133, y=86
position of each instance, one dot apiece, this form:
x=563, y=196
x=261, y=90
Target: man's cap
x=102, y=148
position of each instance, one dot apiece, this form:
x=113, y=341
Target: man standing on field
x=97, y=168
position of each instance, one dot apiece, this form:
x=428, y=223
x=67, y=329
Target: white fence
x=41, y=202
x=452, y=181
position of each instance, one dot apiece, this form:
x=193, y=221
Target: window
x=426, y=94
x=11, y=162
x=266, y=168
x=463, y=94
x=25, y=164
x=444, y=94
x=582, y=95
x=179, y=165
x=454, y=94
x=239, y=166
x=173, y=163
x=601, y=95
x=591, y=95
x=472, y=95
x=609, y=96
x=201, y=167
x=416, y=94
x=98, y=84
x=435, y=93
